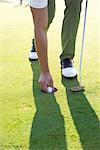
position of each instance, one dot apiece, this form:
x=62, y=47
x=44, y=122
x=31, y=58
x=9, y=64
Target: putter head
x=77, y=89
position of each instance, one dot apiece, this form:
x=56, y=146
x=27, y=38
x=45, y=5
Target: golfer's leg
x=51, y=11
x=69, y=28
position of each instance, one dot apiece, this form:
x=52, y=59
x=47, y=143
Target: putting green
x=30, y=119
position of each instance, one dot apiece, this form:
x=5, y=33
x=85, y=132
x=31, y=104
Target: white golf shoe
x=68, y=69
x=33, y=54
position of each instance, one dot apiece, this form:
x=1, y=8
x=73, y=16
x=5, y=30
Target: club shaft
x=83, y=37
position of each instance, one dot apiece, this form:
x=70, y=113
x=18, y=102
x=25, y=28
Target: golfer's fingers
x=51, y=84
x=43, y=86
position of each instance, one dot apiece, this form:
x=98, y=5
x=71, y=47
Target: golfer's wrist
x=45, y=71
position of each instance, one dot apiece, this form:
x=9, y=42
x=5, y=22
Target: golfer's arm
x=41, y=46
x=40, y=17
x=43, y=61
x=41, y=22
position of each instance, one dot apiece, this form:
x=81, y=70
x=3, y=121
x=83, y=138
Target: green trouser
x=69, y=27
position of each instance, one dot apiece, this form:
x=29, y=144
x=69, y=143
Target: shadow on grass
x=47, y=132
x=84, y=117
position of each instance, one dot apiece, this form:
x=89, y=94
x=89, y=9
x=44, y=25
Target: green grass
x=30, y=119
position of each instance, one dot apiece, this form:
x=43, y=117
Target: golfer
x=43, y=12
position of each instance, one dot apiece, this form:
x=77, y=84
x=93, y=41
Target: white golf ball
x=49, y=89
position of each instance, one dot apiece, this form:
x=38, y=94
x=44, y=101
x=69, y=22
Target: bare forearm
x=41, y=46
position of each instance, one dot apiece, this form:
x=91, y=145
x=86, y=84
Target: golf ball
x=49, y=89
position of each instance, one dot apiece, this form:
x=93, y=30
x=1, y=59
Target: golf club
x=80, y=87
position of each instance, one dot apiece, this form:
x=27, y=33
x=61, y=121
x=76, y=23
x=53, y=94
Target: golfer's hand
x=45, y=81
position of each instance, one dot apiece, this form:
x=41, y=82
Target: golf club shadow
x=85, y=119
x=47, y=131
